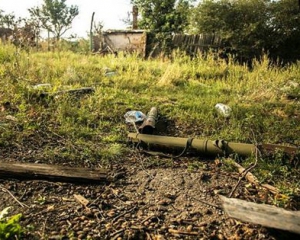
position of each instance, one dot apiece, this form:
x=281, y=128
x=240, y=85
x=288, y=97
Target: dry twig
x=123, y=214
x=244, y=173
x=9, y=192
x=179, y=232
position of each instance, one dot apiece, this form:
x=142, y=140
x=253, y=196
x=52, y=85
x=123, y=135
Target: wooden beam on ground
x=263, y=214
x=51, y=172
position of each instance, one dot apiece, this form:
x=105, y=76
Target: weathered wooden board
x=51, y=172
x=265, y=215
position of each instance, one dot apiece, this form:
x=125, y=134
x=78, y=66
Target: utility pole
x=91, y=34
x=135, y=13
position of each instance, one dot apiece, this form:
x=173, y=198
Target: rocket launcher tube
x=209, y=147
x=149, y=123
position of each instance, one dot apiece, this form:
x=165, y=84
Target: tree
x=239, y=21
x=251, y=26
x=4, y=18
x=8, y=20
x=5, y=26
x=163, y=18
x=20, y=31
x=285, y=24
x=55, y=16
x=163, y=15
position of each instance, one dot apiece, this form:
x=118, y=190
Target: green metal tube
x=209, y=147
x=149, y=123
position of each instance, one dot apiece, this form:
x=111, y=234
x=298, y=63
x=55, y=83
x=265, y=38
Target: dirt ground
x=141, y=200
x=144, y=197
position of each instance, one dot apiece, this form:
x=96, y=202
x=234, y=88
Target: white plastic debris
x=134, y=116
x=42, y=86
x=223, y=109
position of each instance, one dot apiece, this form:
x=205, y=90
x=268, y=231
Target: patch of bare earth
x=138, y=202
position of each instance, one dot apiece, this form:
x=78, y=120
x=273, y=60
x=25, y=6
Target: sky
x=109, y=12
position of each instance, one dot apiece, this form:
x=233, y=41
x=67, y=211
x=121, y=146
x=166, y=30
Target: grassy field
x=264, y=102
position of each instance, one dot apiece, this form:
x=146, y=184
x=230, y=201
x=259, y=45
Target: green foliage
x=251, y=26
x=75, y=45
x=6, y=55
x=242, y=23
x=284, y=26
x=7, y=20
x=40, y=200
x=10, y=227
x=162, y=18
x=285, y=20
x=55, y=16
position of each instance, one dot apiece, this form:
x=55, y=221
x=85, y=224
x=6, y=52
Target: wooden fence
x=138, y=40
x=194, y=43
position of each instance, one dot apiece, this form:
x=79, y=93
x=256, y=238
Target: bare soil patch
x=140, y=201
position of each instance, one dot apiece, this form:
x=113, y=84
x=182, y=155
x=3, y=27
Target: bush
x=10, y=227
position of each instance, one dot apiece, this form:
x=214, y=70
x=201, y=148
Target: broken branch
x=180, y=232
x=9, y=192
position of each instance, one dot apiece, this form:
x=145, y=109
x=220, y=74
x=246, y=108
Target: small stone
x=95, y=210
x=162, y=202
x=81, y=236
x=108, y=226
x=220, y=236
x=128, y=215
x=63, y=231
x=159, y=237
x=89, y=224
x=111, y=213
x=76, y=227
x=189, y=228
x=146, y=223
x=124, y=225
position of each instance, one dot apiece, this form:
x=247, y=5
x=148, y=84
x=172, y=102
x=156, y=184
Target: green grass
x=9, y=226
x=185, y=90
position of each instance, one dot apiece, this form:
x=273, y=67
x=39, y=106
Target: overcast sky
x=110, y=12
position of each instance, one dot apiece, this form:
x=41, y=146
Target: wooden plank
x=81, y=199
x=265, y=215
x=51, y=172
